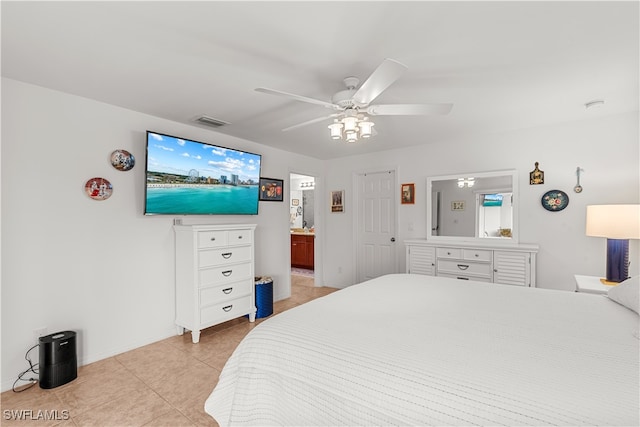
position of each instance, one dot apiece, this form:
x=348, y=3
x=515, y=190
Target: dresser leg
x=252, y=317
x=195, y=336
x=180, y=330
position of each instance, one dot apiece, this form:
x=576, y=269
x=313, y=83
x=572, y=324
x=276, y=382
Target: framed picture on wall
x=270, y=190
x=407, y=194
x=337, y=201
x=457, y=205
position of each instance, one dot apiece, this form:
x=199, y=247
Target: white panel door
x=376, y=225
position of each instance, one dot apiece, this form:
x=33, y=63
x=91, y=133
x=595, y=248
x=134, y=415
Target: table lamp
x=618, y=223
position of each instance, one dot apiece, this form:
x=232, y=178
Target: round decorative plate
x=98, y=188
x=122, y=160
x=555, y=200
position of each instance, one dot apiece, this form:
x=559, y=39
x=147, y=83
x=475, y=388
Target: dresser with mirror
x=472, y=231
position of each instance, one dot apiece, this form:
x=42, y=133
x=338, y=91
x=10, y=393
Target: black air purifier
x=58, y=360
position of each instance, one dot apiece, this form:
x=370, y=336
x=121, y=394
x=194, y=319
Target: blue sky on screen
x=169, y=154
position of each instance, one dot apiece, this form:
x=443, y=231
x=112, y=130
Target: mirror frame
x=489, y=174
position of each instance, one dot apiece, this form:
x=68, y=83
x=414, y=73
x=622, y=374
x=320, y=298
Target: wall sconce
x=618, y=223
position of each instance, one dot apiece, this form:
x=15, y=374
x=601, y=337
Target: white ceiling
x=504, y=65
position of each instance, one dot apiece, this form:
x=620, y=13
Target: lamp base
x=608, y=282
x=617, y=260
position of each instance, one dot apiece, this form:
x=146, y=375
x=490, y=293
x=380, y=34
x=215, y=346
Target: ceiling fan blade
x=298, y=97
x=381, y=78
x=309, y=122
x=409, y=109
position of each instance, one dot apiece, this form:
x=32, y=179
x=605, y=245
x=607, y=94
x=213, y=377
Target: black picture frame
x=271, y=190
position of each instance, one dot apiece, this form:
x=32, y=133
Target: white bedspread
x=420, y=350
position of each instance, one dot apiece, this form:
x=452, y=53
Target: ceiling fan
x=353, y=107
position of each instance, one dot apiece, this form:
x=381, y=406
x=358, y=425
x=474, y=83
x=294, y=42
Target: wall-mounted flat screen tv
x=185, y=177
x=492, y=200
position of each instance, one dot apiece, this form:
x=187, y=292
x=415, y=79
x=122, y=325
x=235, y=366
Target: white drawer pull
x=227, y=273
x=227, y=255
x=228, y=308
x=462, y=266
x=227, y=290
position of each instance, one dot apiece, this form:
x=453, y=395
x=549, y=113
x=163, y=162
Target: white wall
x=606, y=148
x=100, y=268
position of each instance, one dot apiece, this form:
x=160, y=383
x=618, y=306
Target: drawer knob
x=462, y=266
x=227, y=273
x=227, y=308
x=213, y=238
x=462, y=278
x=227, y=255
x=227, y=290
x=240, y=237
x=476, y=255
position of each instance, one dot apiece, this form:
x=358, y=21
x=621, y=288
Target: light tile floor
x=162, y=384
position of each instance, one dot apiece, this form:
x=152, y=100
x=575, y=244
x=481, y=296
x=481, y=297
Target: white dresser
x=214, y=275
x=513, y=264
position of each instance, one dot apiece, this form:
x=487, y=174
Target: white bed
x=420, y=350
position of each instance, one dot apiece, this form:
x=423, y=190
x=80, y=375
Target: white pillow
x=627, y=293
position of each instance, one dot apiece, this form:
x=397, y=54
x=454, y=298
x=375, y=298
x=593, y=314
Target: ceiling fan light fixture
x=352, y=136
x=366, y=128
x=336, y=130
x=350, y=124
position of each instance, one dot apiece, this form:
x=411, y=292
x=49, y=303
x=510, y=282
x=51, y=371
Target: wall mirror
x=479, y=206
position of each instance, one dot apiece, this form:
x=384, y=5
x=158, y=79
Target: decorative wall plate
x=98, y=188
x=122, y=160
x=555, y=200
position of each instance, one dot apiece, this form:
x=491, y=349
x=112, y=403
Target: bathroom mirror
x=478, y=206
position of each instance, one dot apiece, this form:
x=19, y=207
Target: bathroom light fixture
x=352, y=126
x=468, y=182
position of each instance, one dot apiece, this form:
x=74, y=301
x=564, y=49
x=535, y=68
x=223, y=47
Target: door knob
x=393, y=239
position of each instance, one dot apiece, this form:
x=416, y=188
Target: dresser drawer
x=225, y=274
x=211, y=257
x=464, y=268
x=218, y=294
x=240, y=237
x=476, y=255
x=212, y=239
x=449, y=253
x=224, y=311
x=465, y=277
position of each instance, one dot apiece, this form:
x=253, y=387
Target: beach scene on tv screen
x=191, y=178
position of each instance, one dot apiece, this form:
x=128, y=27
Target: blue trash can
x=264, y=297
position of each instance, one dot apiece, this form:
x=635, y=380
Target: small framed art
x=457, y=205
x=407, y=194
x=271, y=190
x=337, y=201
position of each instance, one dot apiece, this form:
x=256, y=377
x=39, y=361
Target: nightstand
x=591, y=285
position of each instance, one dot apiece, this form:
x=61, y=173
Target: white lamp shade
x=365, y=128
x=613, y=221
x=336, y=130
x=350, y=124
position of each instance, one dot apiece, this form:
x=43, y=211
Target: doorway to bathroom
x=302, y=229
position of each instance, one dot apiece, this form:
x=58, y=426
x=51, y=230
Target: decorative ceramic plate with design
x=98, y=188
x=555, y=200
x=122, y=160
